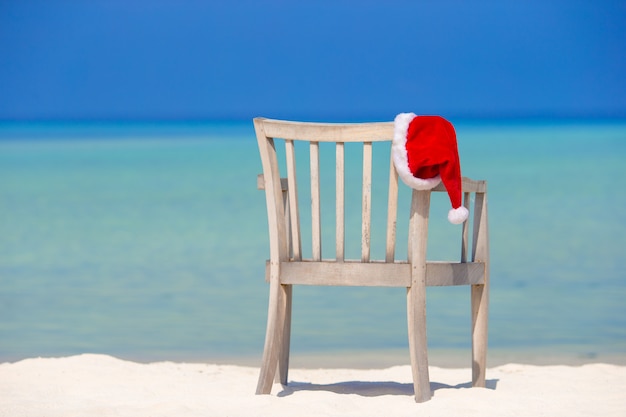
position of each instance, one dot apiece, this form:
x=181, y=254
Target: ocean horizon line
x=167, y=128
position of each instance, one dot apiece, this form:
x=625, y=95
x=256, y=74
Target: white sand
x=99, y=385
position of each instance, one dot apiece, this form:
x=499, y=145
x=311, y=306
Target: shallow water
x=149, y=241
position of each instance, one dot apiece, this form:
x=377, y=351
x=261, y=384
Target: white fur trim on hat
x=458, y=215
x=401, y=157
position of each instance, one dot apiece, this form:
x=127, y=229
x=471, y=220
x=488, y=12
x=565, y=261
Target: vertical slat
x=479, y=224
x=392, y=213
x=480, y=293
x=464, y=238
x=316, y=231
x=287, y=221
x=366, y=213
x=416, y=295
x=339, y=199
x=292, y=190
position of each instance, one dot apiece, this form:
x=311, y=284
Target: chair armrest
x=260, y=183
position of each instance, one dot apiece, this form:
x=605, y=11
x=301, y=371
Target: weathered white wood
x=260, y=183
x=283, y=354
x=292, y=190
x=366, y=202
x=285, y=342
x=279, y=251
x=469, y=186
x=287, y=223
x=274, y=334
x=347, y=273
x=273, y=196
x=448, y=274
x=328, y=132
x=316, y=224
x=392, y=213
x=339, y=202
x=416, y=296
x=286, y=267
x=465, y=232
x=378, y=273
x=480, y=293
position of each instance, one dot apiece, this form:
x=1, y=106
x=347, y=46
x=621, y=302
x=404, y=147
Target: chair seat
x=376, y=273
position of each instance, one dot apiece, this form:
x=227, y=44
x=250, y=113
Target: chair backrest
x=314, y=134
x=283, y=207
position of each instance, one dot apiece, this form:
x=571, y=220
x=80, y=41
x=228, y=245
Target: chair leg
x=416, y=295
x=416, y=313
x=479, y=334
x=480, y=293
x=273, y=336
x=283, y=360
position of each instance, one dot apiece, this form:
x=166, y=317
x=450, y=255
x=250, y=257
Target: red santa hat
x=425, y=153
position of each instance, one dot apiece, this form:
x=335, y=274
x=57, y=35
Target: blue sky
x=327, y=59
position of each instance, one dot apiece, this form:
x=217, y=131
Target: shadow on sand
x=371, y=389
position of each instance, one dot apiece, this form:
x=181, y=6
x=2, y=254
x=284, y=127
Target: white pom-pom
x=458, y=215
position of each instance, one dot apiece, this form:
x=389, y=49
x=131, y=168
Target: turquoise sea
x=148, y=242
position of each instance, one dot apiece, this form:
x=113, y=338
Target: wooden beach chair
x=287, y=265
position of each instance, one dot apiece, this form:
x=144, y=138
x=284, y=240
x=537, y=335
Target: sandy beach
x=101, y=385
